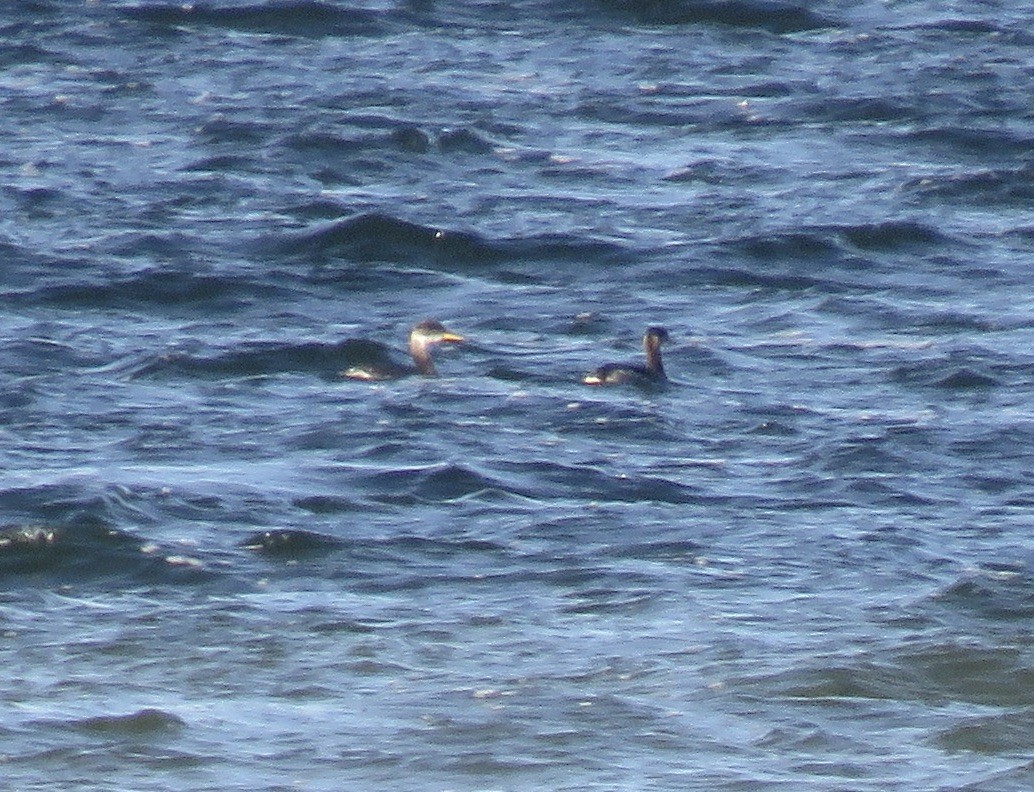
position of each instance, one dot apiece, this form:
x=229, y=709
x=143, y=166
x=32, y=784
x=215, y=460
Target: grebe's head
x=430, y=331
x=657, y=335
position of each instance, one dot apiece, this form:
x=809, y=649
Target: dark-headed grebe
x=619, y=373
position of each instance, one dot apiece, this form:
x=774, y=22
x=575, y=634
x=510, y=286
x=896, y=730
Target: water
x=804, y=564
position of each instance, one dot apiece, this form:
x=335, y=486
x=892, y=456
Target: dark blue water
x=805, y=563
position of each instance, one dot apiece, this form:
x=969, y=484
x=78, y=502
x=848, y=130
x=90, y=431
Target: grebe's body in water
x=631, y=373
x=422, y=337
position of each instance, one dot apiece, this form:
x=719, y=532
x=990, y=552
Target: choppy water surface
x=805, y=564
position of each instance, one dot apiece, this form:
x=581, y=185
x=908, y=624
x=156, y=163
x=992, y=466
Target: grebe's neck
x=652, y=347
x=419, y=348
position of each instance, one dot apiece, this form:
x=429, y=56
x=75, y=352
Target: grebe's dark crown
x=435, y=331
x=658, y=332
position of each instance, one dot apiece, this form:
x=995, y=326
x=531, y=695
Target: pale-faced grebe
x=422, y=337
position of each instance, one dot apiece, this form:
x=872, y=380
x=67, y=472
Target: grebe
x=422, y=337
x=620, y=373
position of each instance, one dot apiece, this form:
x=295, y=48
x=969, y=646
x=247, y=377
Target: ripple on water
x=140, y=724
x=377, y=236
x=88, y=550
x=326, y=360
x=281, y=17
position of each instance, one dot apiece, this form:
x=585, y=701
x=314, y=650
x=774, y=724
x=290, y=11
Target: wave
x=235, y=131
x=861, y=109
x=256, y=359
x=683, y=551
x=955, y=25
x=402, y=137
x=528, y=481
x=1000, y=733
x=403, y=562
x=553, y=480
x=377, y=236
x=743, y=278
x=972, y=139
x=773, y=17
x=996, y=185
x=891, y=235
x=832, y=255
x=148, y=289
x=292, y=541
x=304, y=18
x=789, y=245
x=34, y=355
x=437, y=483
x=313, y=19
x=87, y=549
x=25, y=54
x=1001, y=593
x=831, y=240
x=289, y=543
x=25, y=266
x=952, y=373
x=138, y=724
